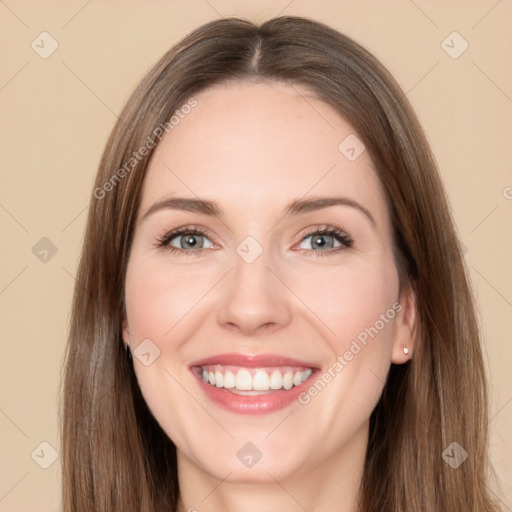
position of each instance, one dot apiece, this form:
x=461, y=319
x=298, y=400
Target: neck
x=332, y=485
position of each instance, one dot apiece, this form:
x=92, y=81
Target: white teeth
x=276, y=380
x=259, y=380
x=288, y=380
x=229, y=380
x=243, y=380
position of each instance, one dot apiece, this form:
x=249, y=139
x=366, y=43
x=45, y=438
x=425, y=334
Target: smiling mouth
x=253, y=381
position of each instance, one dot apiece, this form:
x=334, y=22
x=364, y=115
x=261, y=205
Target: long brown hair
x=115, y=456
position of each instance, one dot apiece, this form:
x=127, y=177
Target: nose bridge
x=253, y=296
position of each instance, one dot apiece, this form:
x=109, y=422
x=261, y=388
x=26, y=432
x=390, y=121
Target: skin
x=253, y=148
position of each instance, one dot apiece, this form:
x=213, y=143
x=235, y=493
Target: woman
x=271, y=307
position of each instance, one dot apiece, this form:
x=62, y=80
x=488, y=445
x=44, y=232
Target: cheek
x=357, y=307
x=158, y=299
x=350, y=300
x=159, y=296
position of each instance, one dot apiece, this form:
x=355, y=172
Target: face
x=262, y=298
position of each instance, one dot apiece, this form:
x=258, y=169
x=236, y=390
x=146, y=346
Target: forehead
x=250, y=145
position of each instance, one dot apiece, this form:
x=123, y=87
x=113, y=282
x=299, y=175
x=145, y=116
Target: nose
x=254, y=300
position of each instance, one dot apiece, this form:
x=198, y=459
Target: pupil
x=191, y=241
x=319, y=241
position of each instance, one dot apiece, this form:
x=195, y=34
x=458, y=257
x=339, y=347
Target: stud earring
x=406, y=350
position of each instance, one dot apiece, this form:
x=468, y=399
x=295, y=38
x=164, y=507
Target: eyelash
x=345, y=240
x=342, y=237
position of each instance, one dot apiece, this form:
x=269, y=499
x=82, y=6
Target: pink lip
x=258, y=404
x=252, y=361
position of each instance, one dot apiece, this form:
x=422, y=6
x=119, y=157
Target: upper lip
x=252, y=361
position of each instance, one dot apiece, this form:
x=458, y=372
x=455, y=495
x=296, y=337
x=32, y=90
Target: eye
x=192, y=239
x=185, y=240
x=328, y=239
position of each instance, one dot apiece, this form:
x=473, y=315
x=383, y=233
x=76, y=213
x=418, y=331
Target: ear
x=405, y=327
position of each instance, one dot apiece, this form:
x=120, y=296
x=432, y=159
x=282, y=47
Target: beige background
x=57, y=113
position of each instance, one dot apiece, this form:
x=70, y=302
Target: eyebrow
x=296, y=207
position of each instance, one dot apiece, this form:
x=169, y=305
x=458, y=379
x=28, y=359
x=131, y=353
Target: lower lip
x=257, y=404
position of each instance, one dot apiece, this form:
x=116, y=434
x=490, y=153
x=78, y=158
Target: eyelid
x=309, y=230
